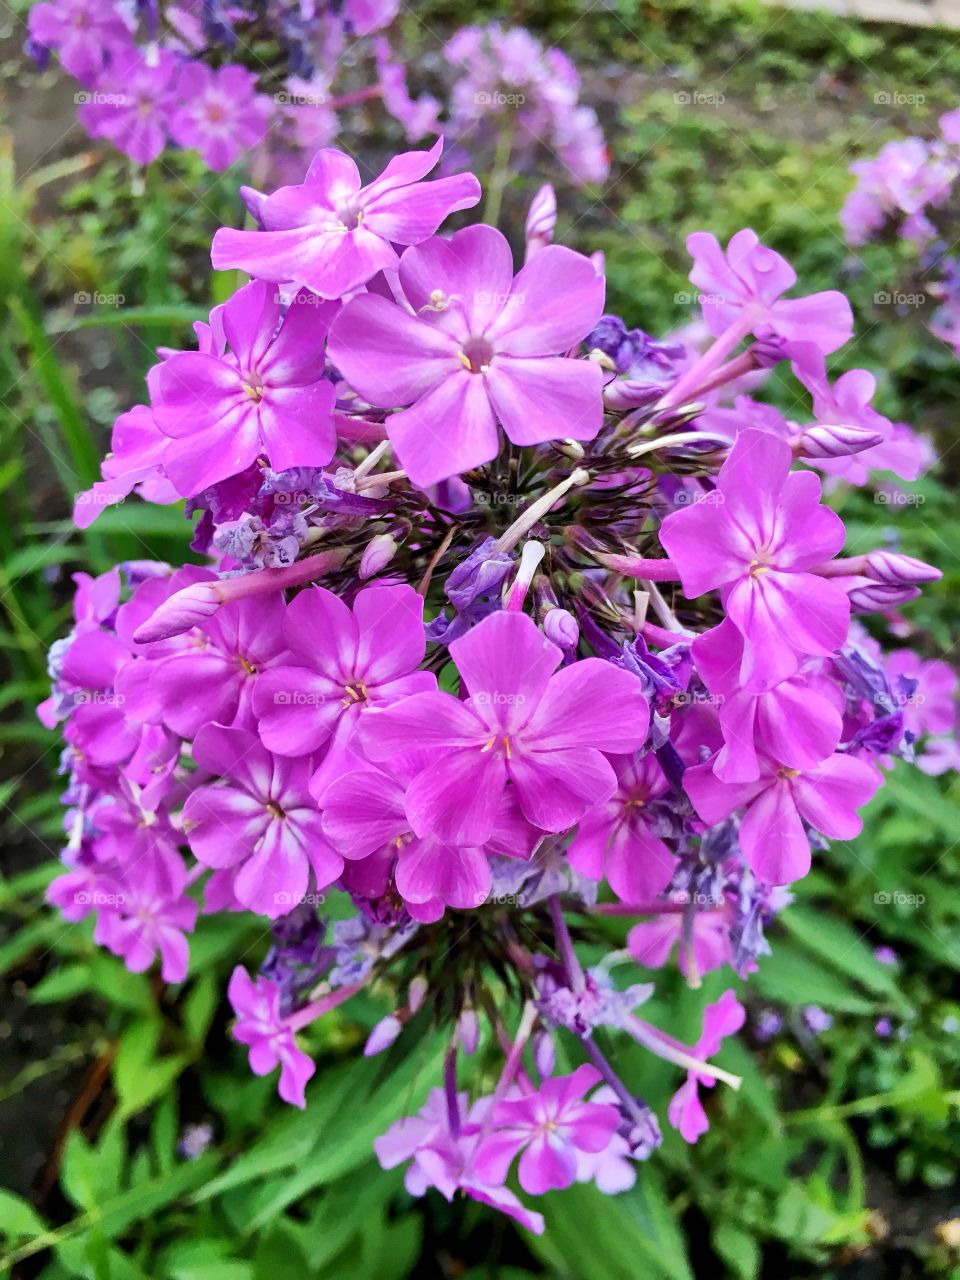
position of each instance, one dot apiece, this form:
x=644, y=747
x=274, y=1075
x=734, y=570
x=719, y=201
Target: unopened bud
x=562, y=628
x=867, y=596
x=468, y=1031
x=630, y=393
x=834, y=440
x=894, y=568
x=541, y=220
x=382, y=1036
x=377, y=554
x=417, y=992
x=544, y=1053
x=530, y=558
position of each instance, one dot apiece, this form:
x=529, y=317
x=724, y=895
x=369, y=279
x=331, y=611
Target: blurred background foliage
x=134, y=1143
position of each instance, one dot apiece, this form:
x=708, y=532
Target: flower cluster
x=909, y=188
x=515, y=622
x=269, y=83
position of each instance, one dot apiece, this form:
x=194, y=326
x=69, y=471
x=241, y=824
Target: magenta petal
x=224, y=449
x=297, y=709
x=556, y=300
x=829, y=795
x=639, y=864
x=546, y=397
x=797, y=726
x=547, y=1164
x=772, y=837
x=556, y=788
x=458, y=799
x=474, y=272
x=391, y=639
x=494, y=1156
x=713, y=799
x=315, y=613
x=387, y=355
x=427, y=869
x=274, y=879
x=506, y=663
x=591, y=704
x=363, y=811
x=225, y=824
x=408, y=215
x=707, y=550
x=425, y=720
x=296, y=425
x=686, y=1113
x=449, y=430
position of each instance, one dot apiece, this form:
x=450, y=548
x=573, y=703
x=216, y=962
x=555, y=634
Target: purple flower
x=480, y=346
x=221, y=114
x=83, y=32
x=369, y=657
x=542, y=732
x=620, y=838
x=652, y=941
x=142, y=915
x=260, y=820
x=133, y=463
x=332, y=234
x=550, y=1127
x=209, y=674
x=772, y=837
x=741, y=287
x=270, y=1040
x=798, y=721
x=720, y=1020
x=261, y=392
x=133, y=99
x=757, y=542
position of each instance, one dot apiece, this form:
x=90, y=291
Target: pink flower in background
x=259, y=820
x=619, y=838
x=264, y=394
x=549, y=1127
x=332, y=234
x=370, y=656
x=221, y=115
x=543, y=732
x=481, y=347
x=270, y=1040
x=742, y=287
x=141, y=915
x=83, y=32
x=772, y=838
x=652, y=942
x=720, y=1020
x=757, y=543
x=131, y=102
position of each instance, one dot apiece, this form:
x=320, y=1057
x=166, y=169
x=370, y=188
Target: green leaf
x=738, y=1249
x=843, y=949
x=62, y=984
x=18, y=1217
x=793, y=978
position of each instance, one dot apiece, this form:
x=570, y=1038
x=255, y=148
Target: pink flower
x=480, y=347
x=260, y=820
x=270, y=1040
x=549, y=1127
x=651, y=942
x=543, y=732
x=133, y=463
x=620, y=838
x=221, y=114
x=720, y=1020
x=262, y=393
x=364, y=816
x=83, y=32
x=757, y=542
x=742, y=286
x=368, y=657
x=134, y=97
x=332, y=234
x=772, y=838
x=141, y=914
x=798, y=721
x=207, y=675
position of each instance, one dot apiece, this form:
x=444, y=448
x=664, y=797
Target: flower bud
x=894, y=568
x=562, y=628
x=377, y=554
x=544, y=1053
x=530, y=557
x=417, y=992
x=541, y=220
x=468, y=1031
x=867, y=596
x=382, y=1036
x=631, y=393
x=833, y=440
x=183, y=610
